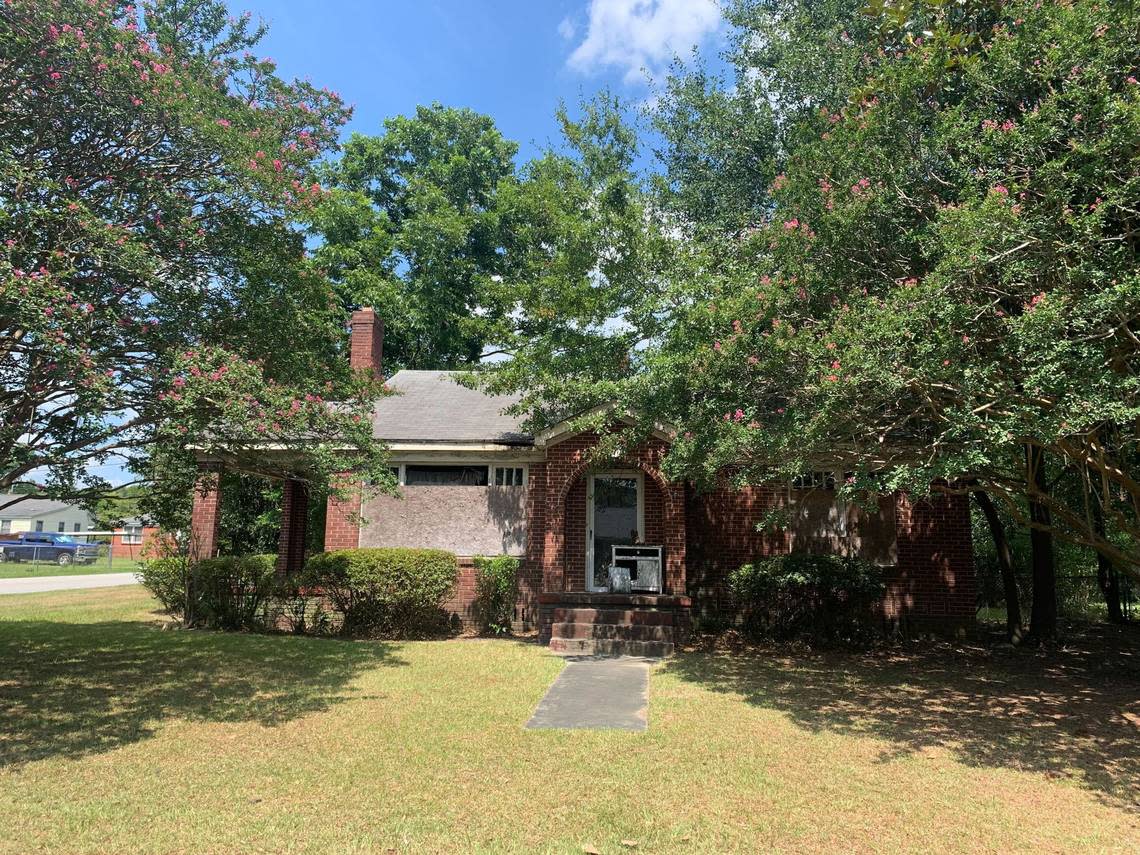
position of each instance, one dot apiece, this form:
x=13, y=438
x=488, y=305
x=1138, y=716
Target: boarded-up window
x=445, y=476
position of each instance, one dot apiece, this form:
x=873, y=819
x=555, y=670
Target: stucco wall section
x=463, y=520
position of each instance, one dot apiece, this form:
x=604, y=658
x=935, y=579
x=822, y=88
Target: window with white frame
x=132, y=534
x=39, y=525
x=5, y=526
x=509, y=476
x=814, y=481
x=417, y=474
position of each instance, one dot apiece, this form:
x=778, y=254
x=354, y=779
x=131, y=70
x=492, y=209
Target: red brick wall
x=134, y=551
x=562, y=551
x=933, y=582
x=342, y=523
x=205, y=514
x=366, y=346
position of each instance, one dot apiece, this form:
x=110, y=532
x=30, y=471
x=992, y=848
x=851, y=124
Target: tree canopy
x=154, y=177
x=902, y=247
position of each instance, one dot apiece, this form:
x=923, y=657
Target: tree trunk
x=1043, y=618
x=1005, y=562
x=1106, y=577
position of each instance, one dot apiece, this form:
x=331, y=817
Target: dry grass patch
x=119, y=736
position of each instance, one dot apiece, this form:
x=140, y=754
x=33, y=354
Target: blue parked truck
x=47, y=547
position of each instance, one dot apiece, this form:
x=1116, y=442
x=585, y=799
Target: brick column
x=294, y=522
x=205, y=513
x=675, y=529
x=342, y=530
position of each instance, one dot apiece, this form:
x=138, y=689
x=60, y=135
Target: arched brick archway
x=567, y=464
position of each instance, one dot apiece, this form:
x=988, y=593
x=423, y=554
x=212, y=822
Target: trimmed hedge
x=233, y=592
x=229, y=592
x=496, y=590
x=387, y=592
x=816, y=597
x=166, y=579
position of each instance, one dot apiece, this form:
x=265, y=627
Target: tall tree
x=412, y=226
x=153, y=175
x=942, y=270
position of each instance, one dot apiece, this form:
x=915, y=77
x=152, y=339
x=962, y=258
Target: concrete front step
x=610, y=647
x=618, y=617
x=628, y=632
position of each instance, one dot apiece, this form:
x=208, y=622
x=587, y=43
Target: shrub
x=166, y=579
x=818, y=597
x=389, y=592
x=233, y=592
x=496, y=590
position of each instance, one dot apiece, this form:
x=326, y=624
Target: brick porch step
x=628, y=632
x=610, y=647
x=619, y=617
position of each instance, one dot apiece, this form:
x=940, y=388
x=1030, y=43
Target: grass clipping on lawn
x=120, y=736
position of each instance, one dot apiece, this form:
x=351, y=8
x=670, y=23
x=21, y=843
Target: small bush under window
x=496, y=590
x=818, y=597
x=386, y=593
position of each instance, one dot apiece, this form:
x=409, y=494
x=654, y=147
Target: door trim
x=609, y=473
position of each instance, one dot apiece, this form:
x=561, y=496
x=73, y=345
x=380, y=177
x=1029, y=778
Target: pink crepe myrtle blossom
x=791, y=224
x=738, y=416
x=1000, y=189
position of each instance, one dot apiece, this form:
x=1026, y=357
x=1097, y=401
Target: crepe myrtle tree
x=153, y=175
x=944, y=290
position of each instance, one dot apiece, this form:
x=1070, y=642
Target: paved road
x=35, y=584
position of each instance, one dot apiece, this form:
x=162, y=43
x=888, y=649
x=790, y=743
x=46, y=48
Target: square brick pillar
x=294, y=524
x=342, y=528
x=205, y=514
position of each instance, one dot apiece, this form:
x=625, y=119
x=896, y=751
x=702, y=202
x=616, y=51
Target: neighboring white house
x=42, y=515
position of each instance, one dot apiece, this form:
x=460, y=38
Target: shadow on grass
x=67, y=690
x=1067, y=713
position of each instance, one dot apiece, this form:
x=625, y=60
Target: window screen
x=445, y=476
x=39, y=525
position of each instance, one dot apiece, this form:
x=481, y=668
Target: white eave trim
x=566, y=428
x=481, y=449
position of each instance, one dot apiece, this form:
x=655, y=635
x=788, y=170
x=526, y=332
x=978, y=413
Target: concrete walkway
x=36, y=584
x=596, y=694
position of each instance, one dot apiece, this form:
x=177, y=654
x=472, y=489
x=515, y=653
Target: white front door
x=615, y=514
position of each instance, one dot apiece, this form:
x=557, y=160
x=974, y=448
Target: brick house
x=474, y=483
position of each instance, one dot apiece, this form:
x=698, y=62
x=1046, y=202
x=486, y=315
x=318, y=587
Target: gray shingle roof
x=29, y=508
x=432, y=407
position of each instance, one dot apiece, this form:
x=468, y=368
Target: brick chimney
x=367, y=342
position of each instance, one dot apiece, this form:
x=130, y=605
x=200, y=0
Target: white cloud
x=642, y=34
x=566, y=29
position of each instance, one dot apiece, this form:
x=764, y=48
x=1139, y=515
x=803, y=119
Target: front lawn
x=14, y=570
x=117, y=735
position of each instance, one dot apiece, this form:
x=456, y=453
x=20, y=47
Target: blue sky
x=510, y=59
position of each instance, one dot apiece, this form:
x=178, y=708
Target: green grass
x=117, y=735
x=12, y=570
